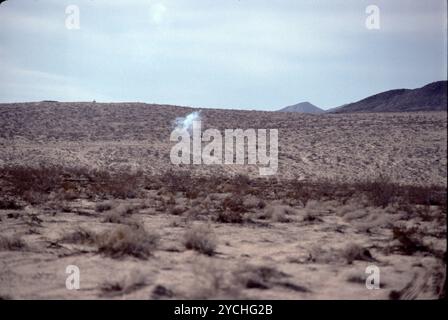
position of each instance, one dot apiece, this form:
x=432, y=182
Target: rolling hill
x=432, y=97
x=303, y=107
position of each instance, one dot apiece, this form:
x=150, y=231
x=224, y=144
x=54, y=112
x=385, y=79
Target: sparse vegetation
x=355, y=252
x=11, y=243
x=80, y=236
x=9, y=204
x=134, y=281
x=127, y=240
x=103, y=206
x=201, y=238
x=329, y=198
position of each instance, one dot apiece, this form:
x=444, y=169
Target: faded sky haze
x=246, y=54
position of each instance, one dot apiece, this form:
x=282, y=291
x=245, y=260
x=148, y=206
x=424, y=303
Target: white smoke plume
x=186, y=123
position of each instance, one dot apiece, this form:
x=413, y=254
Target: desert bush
x=161, y=292
x=177, y=210
x=410, y=241
x=176, y=181
x=192, y=193
x=103, y=206
x=68, y=195
x=355, y=252
x=80, y=236
x=120, y=214
x=122, y=185
x=252, y=202
x=36, y=179
x=201, y=238
x=134, y=281
x=299, y=191
x=210, y=282
x=12, y=243
x=277, y=213
x=258, y=277
x=127, y=240
x=34, y=197
x=114, y=217
x=234, y=204
x=429, y=195
x=229, y=217
x=240, y=183
x=9, y=204
x=381, y=191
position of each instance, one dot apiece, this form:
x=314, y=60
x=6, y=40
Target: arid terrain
x=92, y=185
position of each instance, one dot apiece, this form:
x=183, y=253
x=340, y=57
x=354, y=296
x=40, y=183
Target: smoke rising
x=186, y=123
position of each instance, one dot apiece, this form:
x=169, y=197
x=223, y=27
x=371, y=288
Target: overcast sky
x=246, y=54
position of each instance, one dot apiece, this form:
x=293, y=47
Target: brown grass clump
x=120, y=214
x=201, y=238
x=134, y=281
x=9, y=204
x=264, y=277
x=121, y=185
x=356, y=252
x=277, y=213
x=231, y=210
x=80, y=236
x=210, y=282
x=409, y=240
x=176, y=181
x=380, y=191
x=103, y=206
x=13, y=243
x=127, y=240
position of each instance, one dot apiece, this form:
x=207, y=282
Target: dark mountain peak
x=303, y=107
x=431, y=97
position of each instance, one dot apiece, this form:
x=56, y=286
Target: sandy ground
x=409, y=147
x=306, y=259
x=285, y=249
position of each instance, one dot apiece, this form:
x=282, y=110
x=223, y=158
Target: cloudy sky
x=248, y=54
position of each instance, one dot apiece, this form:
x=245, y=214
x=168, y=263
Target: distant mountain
x=303, y=107
x=432, y=97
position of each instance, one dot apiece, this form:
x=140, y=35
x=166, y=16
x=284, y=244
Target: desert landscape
x=92, y=185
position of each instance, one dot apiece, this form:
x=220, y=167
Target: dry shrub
x=12, y=243
x=252, y=202
x=355, y=252
x=201, y=238
x=122, y=185
x=161, y=292
x=177, y=210
x=103, y=206
x=176, y=181
x=127, y=240
x=277, y=213
x=34, y=197
x=120, y=214
x=68, y=195
x=9, y=204
x=234, y=204
x=429, y=196
x=210, y=282
x=231, y=210
x=115, y=217
x=80, y=236
x=240, y=183
x=409, y=240
x=132, y=282
x=299, y=191
x=35, y=179
x=381, y=191
x=258, y=277
x=229, y=217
